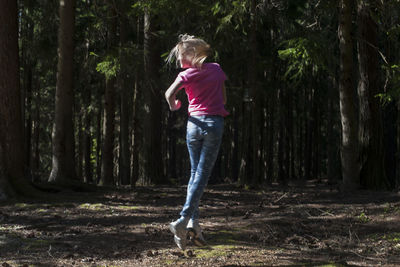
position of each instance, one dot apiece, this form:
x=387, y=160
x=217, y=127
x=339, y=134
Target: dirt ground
x=311, y=225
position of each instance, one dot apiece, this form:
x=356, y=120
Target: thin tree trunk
x=107, y=158
x=333, y=170
x=124, y=168
x=87, y=143
x=348, y=111
x=235, y=149
x=271, y=131
x=308, y=133
x=36, y=134
x=282, y=171
x=99, y=141
x=80, y=134
x=63, y=163
x=256, y=95
x=87, y=121
x=153, y=164
x=107, y=151
x=135, y=135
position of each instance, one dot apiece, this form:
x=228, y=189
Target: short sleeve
x=182, y=78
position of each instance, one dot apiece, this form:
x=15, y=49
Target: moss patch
x=95, y=206
x=213, y=251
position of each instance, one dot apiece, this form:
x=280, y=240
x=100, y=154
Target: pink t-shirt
x=204, y=89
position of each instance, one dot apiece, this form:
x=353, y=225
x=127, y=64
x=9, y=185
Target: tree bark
x=12, y=163
x=124, y=168
x=372, y=173
x=107, y=152
x=348, y=111
x=63, y=161
x=153, y=164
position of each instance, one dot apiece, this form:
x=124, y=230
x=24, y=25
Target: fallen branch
x=276, y=201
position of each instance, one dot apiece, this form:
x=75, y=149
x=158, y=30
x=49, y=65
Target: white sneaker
x=195, y=234
x=178, y=228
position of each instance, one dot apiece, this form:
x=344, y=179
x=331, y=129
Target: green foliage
x=363, y=218
x=231, y=14
x=109, y=67
x=301, y=54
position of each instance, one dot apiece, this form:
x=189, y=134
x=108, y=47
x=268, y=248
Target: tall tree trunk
x=172, y=143
x=234, y=147
x=87, y=119
x=63, y=162
x=333, y=166
x=271, y=134
x=249, y=172
x=36, y=134
x=99, y=141
x=135, y=135
x=282, y=166
x=348, y=111
x=107, y=152
x=87, y=139
x=246, y=157
x=257, y=98
x=153, y=164
x=308, y=133
x=372, y=173
x=28, y=65
x=11, y=135
x=125, y=81
x=390, y=113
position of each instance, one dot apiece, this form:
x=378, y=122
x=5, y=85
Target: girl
x=205, y=89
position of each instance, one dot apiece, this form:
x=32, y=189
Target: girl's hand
x=177, y=105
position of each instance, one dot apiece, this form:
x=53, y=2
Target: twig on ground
x=325, y=212
x=48, y=252
x=279, y=199
x=364, y=257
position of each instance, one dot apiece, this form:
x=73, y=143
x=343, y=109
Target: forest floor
x=309, y=225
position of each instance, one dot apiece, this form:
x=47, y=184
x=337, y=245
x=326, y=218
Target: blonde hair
x=189, y=44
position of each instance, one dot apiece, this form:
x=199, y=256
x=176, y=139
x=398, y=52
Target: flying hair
x=188, y=44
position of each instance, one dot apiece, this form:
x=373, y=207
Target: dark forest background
x=312, y=92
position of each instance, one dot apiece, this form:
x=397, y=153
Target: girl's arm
x=170, y=96
x=224, y=92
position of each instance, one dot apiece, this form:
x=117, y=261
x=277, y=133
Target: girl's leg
x=211, y=131
x=194, y=141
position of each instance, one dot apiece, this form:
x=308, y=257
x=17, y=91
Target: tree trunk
x=63, y=162
x=257, y=98
x=246, y=170
x=390, y=113
x=36, y=134
x=153, y=164
x=348, y=111
x=372, y=173
x=249, y=172
x=99, y=141
x=333, y=165
x=87, y=140
x=135, y=135
x=282, y=166
x=124, y=83
x=11, y=135
x=107, y=152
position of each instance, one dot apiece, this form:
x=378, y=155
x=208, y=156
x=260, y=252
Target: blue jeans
x=203, y=138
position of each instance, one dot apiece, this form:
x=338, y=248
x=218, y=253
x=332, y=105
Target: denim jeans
x=203, y=138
